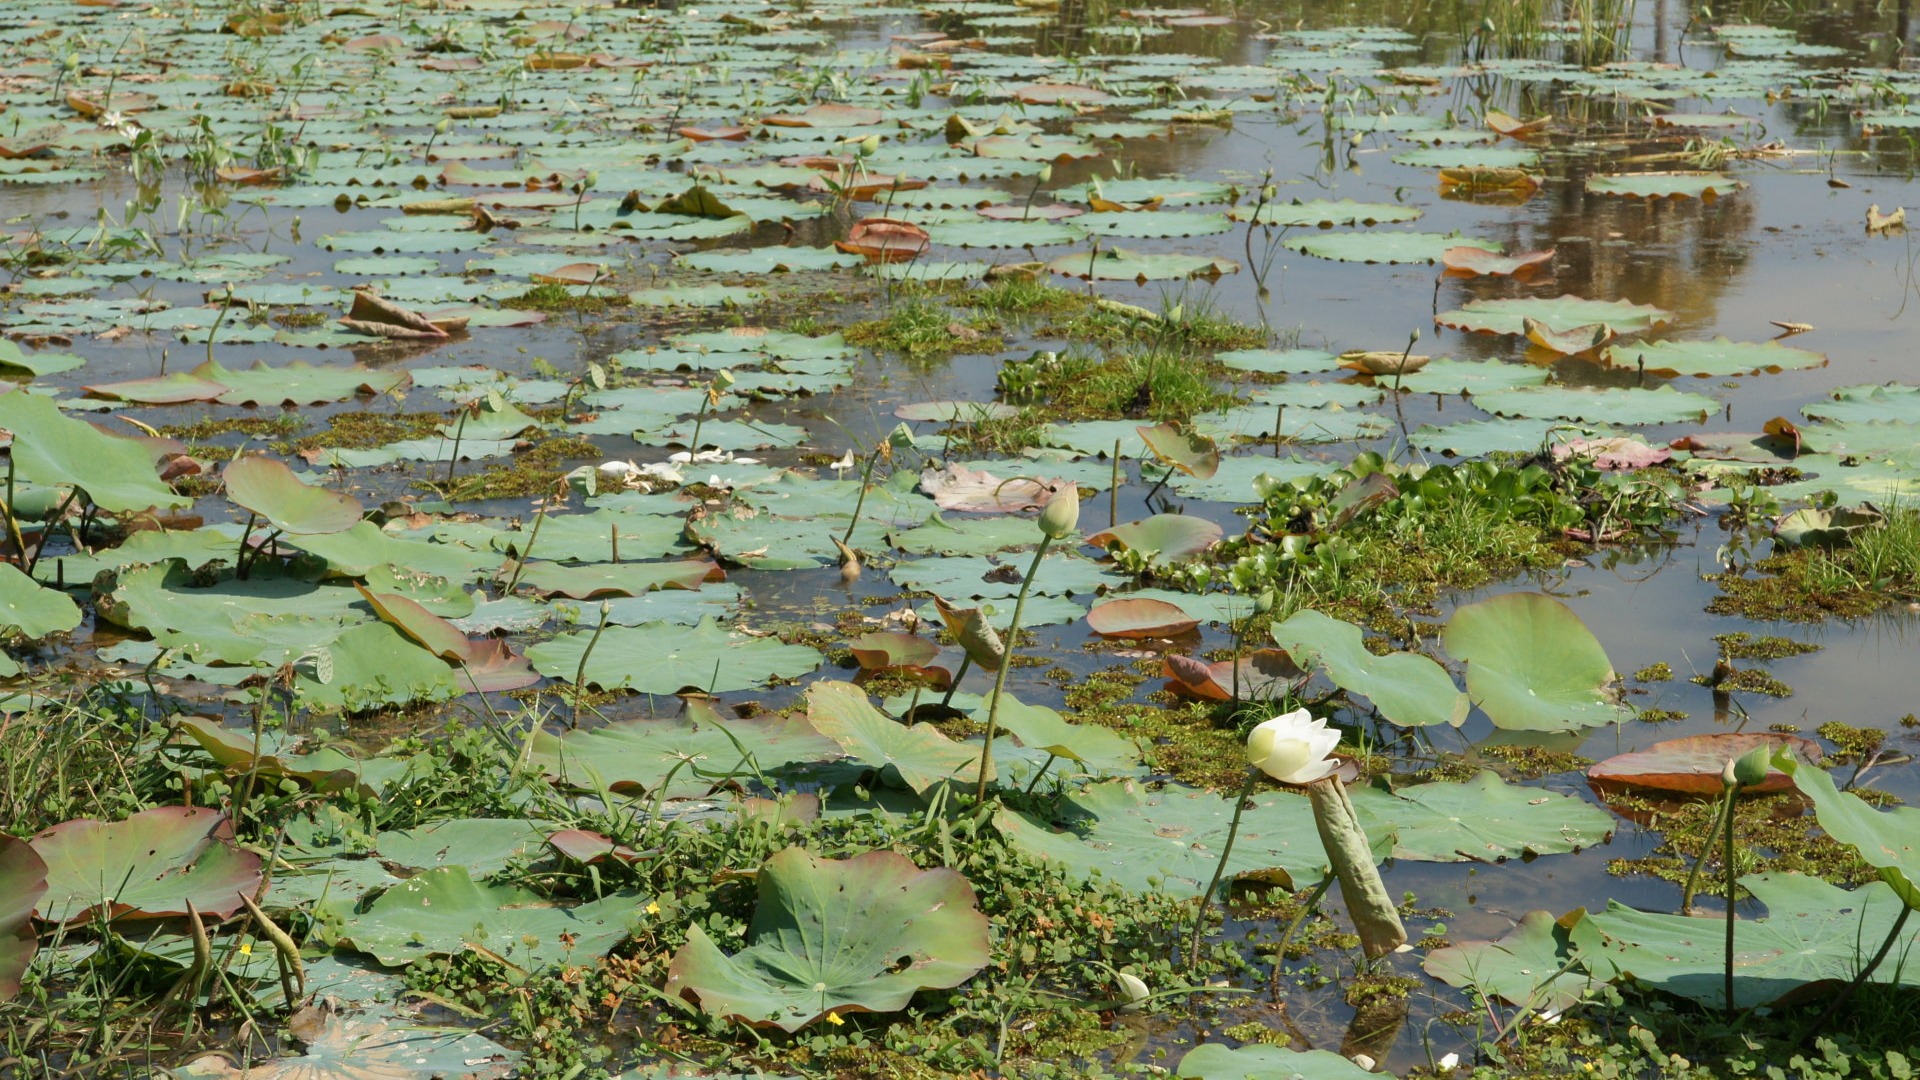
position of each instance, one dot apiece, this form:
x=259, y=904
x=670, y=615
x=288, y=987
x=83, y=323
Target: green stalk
x=866, y=478
x=526, y=553
x=1733, y=792
x=579, y=673
x=1219, y=869
x=1693, y=876
x=1006, y=665
x=1113, y=489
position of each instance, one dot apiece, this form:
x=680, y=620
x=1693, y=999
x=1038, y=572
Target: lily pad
x=1705, y=186
x=1715, y=358
x=444, y=912
x=1888, y=841
x=1692, y=765
x=1614, y=405
x=51, y=448
x=33, y=611
x=1505, y=316
x=1532, y=665
x=684, y=757
x=1327, y=213
x=1119, y=264
x=1484, y=819
x=661, y=658
x=150, y=865
x=1162, y=538
x=1215, y=1061
x=1407, y=688
x=23, y=883
x=1385, y=247
x=365, y=1047
x=920, y=755
x=1532, y=966
x=270, y=489
x=831, y=936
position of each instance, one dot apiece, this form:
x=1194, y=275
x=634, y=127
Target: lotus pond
x=751, y=539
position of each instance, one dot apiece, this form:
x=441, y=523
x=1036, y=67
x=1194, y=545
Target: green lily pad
x=1407, y=688
x=1469, y=157
x=152, y=864
x=1169, y=840
x=482, y=845
x=1118, y=264
x=968, y=536
x=270, y=489
x=683, y=757
x=987, y=578
x=1385, y=247
x=1715, y=358
x=1037, y=727
x=36, y=363
x=444, y=912
x=1280, y=361
x=1215, y=1061
x=1484, y=819
x=1663, y=185
x=1449, y=376
x=300, y=383
x=920, y=755
x=51, y=448
x=1532, y=665
x=661, y=658
x=1162, y=538
x=33, y=611
x=1508, y=315
x=831, y=936
x=1532, y=966
x=364, y=1047
x=1815, y=933
x=1327, y=213
x=1889, y=841
x=1614, y=405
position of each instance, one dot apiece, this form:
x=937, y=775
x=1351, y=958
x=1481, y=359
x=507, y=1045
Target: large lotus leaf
x=1327, y=213
x=1099, y=748
x=1161, y=538
x=1280, y=361
x=482, y=845
x=1448, y=376
x=1189, y=452
x=1484, y=819
x=1215, y=1061
x=1138, y=617
x=1469, y=157
x=364, y=548
x=660, y=658
x=1611, y=405
x=23, y=882
x=51, y=448
x=1120, y=264
x=683, y=757
x=1814, y=933
x=374, y=664
x=443, y=912
x=370, y=1048
x=1409, y=689
x=593, y=537
x=32, y=610
x=1718, y=357
x=1507, y=315
x=268, y=488
x=1692, y=764
x=762, y=541
x=968, y=536
x=1523, y=968
x=920, y=754
x=1892, y=403
x=1384, y=247
x=1477, y=438
x=325, y=769
x=1169, y=840
x=616, y=579
x=985, y=578
x=1888, y=841
x=1663, y=185
x=151, y=864
x=829, y=936
x=268, y=619
x=1532, y=665
x=300, y=383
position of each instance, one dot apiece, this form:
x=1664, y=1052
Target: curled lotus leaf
x=1888, y=840
x=1162, y=537
x=833, y=936
x=1407, y=688
x=152, y=864
x=1177, y=447
x=268, y=488
x=883, y=649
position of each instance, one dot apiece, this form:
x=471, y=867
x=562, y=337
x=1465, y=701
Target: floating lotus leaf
x=270, y=489
x=988, y=578
x=1190, y=452
x=1162, y=538
x=326, y=769
x=1280, y=361
x=660, y=658
x=1385, y=247
x=1215, y=1061
x=53, y=449
x=370, y=1048
x=1161, y=226
x=1532, y=665
x=968, y=536
x=1468, y=259
x=1815, y=937
x=1326, y=213
x=1692, y=765
x=1892, y=403
x=831, y=936
x=171, y=389
x=587, y=847
x=1476, y=438
x=1447, y=376
x=1615, y=405
x=1504, y=316
x=1715, y=358
x=617, y=579
x=1705, y=186
x=1888, y=841
x=444, y=912
x=1136, y=618
x=300, y=383
x=1409, y=689
x=23, y=883
x=31, y=610
x=920, y=754
x=1484, y=819
x=957, y=487
x=482, y=845
x=151, y=864
x=1523, y=968
x=683, y=757
x=884, y=649
x=36, y=363
x=1040, y=728
x=1108, y=263
x=1169, y=840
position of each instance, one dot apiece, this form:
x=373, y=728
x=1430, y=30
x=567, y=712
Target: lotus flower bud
x=723, y=379
x=1751, y=767
x=1045, y=174
x=1293, y=748
x=869, y=144
x=901, y=437
x=443, y=126
x=1728, y=777
x=1134, y=989
x=1062, y=513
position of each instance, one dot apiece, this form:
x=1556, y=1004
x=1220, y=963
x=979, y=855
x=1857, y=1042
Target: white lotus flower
x=840, y=467
x=1365, y=1061
x=1449, y=1062
x=1293, y=748
x=1134, y=989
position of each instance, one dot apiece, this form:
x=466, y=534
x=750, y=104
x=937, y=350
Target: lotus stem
x=293, y=974
x=459, y=430
x=1035, y=782
x=1730, y=874
x=966, y=661
x=1006, y=665
x=1113, y=489
x=225, y=304
x=1308, y=907
x=533, y=537
x=613, y=537
x=866, y=478
x=1279, y=416
x=1219, y=869
x=580, y=673
x=1688, y=892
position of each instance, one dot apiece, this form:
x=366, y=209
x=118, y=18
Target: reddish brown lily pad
x=1692, y=765
x=885, y=649
x=153, y=864
x=1264, y=674
x=1140, y=619
x=881, y=240
x=585, y=846
x=1471, y=260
